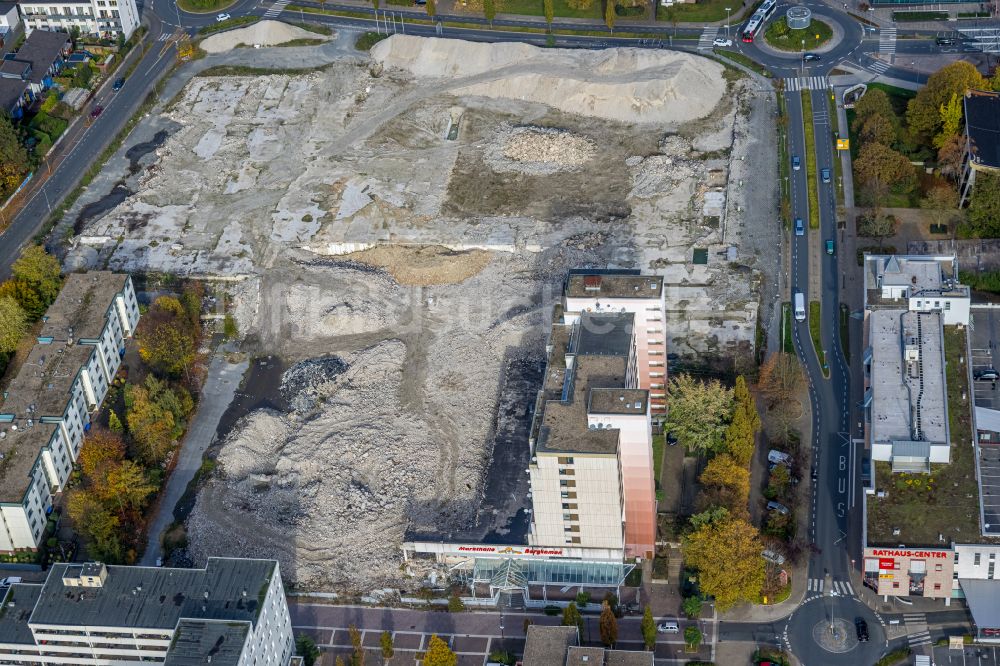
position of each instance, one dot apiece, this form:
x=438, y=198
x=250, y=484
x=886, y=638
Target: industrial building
x=231, y=613
x=46, y=409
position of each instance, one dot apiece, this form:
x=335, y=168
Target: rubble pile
x=538, y=151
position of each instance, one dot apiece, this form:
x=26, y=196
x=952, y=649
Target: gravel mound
x=265, y=33
x=627, y=85
x=303, y=383
x=538, y=151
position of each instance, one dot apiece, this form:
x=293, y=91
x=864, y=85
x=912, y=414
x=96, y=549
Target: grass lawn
x=920, y=16
x=845, y=332
x=746, y=61
x=227, y=24
x=946, y=501
x=837, y=166
x=780, y=37
x=814, y=324
x=702, y=11
x=204, y=6
x=536, y=8
x=786, y=342
x=811, y=176
x=659, y=442
x=366, y=40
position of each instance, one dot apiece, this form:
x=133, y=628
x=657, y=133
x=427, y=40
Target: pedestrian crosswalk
x=276, y=9
x=887, y=42
x=708, y=35
x=918, y=639
x=879, y=66
x=164, y=37
x=838, y=588
x=915, y=618
x=794, y=83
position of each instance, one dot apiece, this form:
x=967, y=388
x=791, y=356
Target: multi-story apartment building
x=231, y=613
x=46, y=408
x=643, y=297
x=100, y=18
x=591, y=440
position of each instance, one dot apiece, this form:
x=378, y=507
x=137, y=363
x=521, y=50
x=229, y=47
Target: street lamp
x=728, y=9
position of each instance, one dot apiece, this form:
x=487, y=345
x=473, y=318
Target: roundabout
x=782, y=36
x=822, y=632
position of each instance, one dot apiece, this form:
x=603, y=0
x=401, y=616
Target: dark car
x=946, y=41
x=98, y=110
x=796, y=163
x=824, y=174
x=862, y=628
x=119, y=82
x=671, y=439
x=811, y=56
x=800, y=229
x=989, y=375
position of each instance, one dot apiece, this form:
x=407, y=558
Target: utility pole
x=728, y=9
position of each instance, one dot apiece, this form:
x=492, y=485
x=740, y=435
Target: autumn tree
x=951, y=119
x=923, y=113
x=490, y=10
x=741, y=434
x=878, y=129
x=984, y=206
x=115, y=423
x=648, y=628
x=941, y=203
x=548, y=6
x=127, y=487
x=727, y=555
x=876, y=225
x=41, y=271
x=13, y=324
x=878, y=163
x=609, y=15
x=386, y=642
x=14, y=162
x=571, y=617
x=951, y=156
x=97, y=525
x=152, y=427
x=608, y=625
x=167, y=337
x=358, y=656
x=874, y=102
x=101, y=451
x=26, y=296
x=431, y=8
x=780, y=378
x=727, y=483
x=439, y=654
x=699, y=412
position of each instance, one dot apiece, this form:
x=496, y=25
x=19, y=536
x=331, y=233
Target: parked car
x=862, y=627
x=825, y=175
x=811, y=56
x=988, y=375
x=119, y=82
x=796, y=162
x=773, y=557
x=800, y=229
x=829, y=246
x=222, y=17
x=777, y=506
x=722, y=41
x=10, y=580
x=98, y=110
x=668, y=627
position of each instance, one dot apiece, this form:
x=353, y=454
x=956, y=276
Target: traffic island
x=785, y=37
x=815, y=311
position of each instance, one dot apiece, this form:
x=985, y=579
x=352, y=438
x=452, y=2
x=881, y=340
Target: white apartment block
x=46, y=409
x=590, y=418
x=99, y=18
x=231, y=613
x=640, y=295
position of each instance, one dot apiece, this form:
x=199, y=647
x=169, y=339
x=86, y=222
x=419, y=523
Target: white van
x=778, y=457
x=800, y=306
x=12, y=580
x=668, y=627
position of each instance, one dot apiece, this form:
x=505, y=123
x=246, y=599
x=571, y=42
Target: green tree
x=97, y=525
x=727, y=555
x=305, y=647
x=115, y=423
x=741, y=434
x=167, y=338
x=923, y=113
x=709, y=516
x=431, y=8
x=609, y=15
x=873, y=103
x=455, y=603
x=699, y=412
x=26, y=297
x=550, y=12
x=358, y=656
x=571, y=617
x=128, y=487
x=40, y=270
x=691, y=606
x=439, y=654
x=648, y=628
x=489, y=11
x=608, y=625
x=387, y=647
x=692, y=636
x=152, y=427
x=339, y=661
x=14, y=161
x=13, y=324
x=984, y=206
x=951, y=119
x=779, y=480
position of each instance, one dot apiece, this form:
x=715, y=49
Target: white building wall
x=953, y=310
x=984, y=567
x=93, y=18
x=271, y=643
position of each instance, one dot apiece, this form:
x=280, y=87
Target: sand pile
x=265, y=33
x=627, y=85
x=425, y=265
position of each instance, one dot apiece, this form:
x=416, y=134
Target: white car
x=668, y=627
x=222, y=17
x=722, y=41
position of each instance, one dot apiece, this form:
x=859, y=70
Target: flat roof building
x=231, y=612
x=559, y=646
x=46, y=409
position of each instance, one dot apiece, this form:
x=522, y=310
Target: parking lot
x=968, y=656
x=985, y=344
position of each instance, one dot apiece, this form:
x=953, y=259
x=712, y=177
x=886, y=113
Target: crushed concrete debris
x=537, y=151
